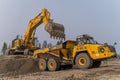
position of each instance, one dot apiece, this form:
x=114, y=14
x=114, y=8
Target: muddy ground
x=25, y=68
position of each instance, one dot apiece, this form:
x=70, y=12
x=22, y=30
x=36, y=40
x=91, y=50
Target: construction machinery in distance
x=26, y=45
x=84, y=52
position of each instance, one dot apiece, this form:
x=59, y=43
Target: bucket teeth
x=55, y=30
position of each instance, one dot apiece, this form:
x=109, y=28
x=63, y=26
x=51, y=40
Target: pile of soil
x=18, y=64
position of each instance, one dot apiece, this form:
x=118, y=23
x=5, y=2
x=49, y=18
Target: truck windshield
x=90, y=41
x=86, y=41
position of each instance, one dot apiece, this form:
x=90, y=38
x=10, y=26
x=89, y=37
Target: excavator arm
x=54, y=29
x=26, y=44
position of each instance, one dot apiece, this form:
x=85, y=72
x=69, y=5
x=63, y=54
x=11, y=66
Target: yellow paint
x=51, y=64
x=28, y=39
x=93, y=51
x=42, y=65
x=82, y=61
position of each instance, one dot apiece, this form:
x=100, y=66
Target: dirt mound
x=18, y=64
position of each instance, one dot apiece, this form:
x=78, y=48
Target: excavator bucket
x=55, y=30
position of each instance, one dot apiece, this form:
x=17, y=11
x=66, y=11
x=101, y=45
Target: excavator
x=26, y=45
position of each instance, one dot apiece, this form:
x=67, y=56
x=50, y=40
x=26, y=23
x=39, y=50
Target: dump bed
x=56, y=50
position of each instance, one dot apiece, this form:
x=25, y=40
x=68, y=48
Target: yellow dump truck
x=84, y=52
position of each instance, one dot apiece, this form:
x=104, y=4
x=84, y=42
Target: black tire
x=42, y=64
x=83, y=61
x=53, y=64
x=96, y=64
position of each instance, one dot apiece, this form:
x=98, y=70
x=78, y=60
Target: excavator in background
x=26, y=45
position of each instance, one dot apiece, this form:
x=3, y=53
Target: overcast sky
x=99, y=18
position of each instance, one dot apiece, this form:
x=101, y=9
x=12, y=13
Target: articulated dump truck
x=83, y=52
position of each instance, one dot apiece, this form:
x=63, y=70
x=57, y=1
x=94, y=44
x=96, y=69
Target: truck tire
x=83, y=61
x=96, y=64
x=53, y=64
x=42, y=64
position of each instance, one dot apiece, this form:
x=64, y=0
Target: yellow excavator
x=26, y=45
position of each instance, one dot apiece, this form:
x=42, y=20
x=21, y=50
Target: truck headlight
x=102, y=50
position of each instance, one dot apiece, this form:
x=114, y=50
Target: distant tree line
x=4, y=47
x=45, y=44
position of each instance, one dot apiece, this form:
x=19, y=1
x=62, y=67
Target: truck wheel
x=42, y=64
x=96, y=64
x=53, y=64
x=83, y=61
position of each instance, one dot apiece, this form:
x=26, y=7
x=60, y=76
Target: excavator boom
x=27, y=43
x=55, y=30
